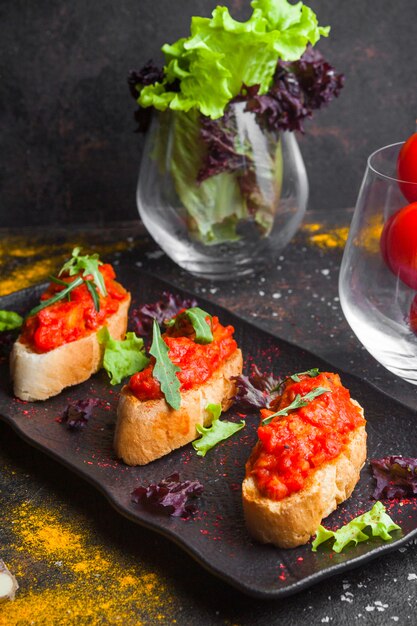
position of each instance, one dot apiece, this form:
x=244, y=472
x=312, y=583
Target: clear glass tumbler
x=222, y=200
x=378, y=276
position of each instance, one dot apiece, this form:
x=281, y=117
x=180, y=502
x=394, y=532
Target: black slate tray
x=216, y=537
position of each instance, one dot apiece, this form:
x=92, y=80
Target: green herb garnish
x=122, y=358
x=218, y=431
x=296, y=377
x=91, y=286
x=198, y=320
x=312, y=373
x=165, y=370
x=57, y=297
x=376, y=519
x=87, y=264
x=297, y=403
x=9, y=320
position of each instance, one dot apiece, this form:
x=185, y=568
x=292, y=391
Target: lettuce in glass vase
x=230, y=89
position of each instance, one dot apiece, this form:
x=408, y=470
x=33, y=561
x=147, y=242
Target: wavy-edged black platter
x=216, y=536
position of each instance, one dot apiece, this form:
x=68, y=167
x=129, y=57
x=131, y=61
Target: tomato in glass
x=399, y=244
x=407, y=168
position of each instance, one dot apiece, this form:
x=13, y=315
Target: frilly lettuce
x=376, y=519
x=122, y=358
x=227, y=54
x=217, y=432
x=9, y=320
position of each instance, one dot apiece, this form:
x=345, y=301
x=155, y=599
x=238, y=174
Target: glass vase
x=222, y=198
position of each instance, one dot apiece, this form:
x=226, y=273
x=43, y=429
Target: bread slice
x=145, y=431
x=290, y=522
x=40, y=376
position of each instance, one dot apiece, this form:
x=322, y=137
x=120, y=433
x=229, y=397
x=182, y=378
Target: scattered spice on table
x=85, y=580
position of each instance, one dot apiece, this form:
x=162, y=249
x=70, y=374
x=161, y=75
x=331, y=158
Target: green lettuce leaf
x=226, y=53
x=376, y=519
x=9, y=320
x=165, y=370
x=218, y=431
x=215, y=206
x=122, y=358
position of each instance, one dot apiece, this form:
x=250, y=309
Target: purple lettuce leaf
x=255, y=391
x=298, y=89
x=149, y=74
x=78, y=412
x=170, y=496
x=396, y=477
x=221, y=155
x=162, y=310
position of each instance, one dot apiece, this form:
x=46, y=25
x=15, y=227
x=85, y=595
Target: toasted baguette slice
x=145, y=431
x=40, y=376
x=291, y=522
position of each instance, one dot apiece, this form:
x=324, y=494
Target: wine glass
x=377, y=283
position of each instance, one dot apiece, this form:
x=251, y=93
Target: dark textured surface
x=296, y=299
x=69, y=153
x=216, y=536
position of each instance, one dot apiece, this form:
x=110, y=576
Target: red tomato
x=399, y=244
x=407, y=168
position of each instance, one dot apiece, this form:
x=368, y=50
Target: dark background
x=69, y=153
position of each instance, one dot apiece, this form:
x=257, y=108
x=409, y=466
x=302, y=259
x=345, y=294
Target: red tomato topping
x=197, y=361
x=407, y=168
x=290, y=448
x=67, y=321
x=399, y=244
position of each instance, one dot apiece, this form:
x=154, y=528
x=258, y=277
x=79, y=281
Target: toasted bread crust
x=290, y=522
x=145, y=431
x=40, y=376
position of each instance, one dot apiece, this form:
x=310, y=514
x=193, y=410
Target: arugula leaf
x=9, y=320
x=164, y=370
x=298, y=403
x=197, y=317
x=60, y=295
x=376, y=519
x=122, y=358
x=218, y=431
x=312, y=373
x=93, y=293
x=87, y=264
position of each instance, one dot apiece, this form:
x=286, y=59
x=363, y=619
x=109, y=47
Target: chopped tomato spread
x=291, y=447
x=197, y=362
x=69, y=320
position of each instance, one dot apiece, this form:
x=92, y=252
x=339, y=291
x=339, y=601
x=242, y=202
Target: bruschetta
x=307, y=460
x=58, y=345
x=147, y=426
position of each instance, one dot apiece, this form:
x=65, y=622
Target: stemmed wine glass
x=378, y=276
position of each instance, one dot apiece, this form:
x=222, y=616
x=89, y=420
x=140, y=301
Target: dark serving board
x=216, y=536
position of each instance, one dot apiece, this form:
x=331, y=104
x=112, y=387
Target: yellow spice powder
x=37, y=262
x=368, y=237
x=85, y=582
x=332, y=238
